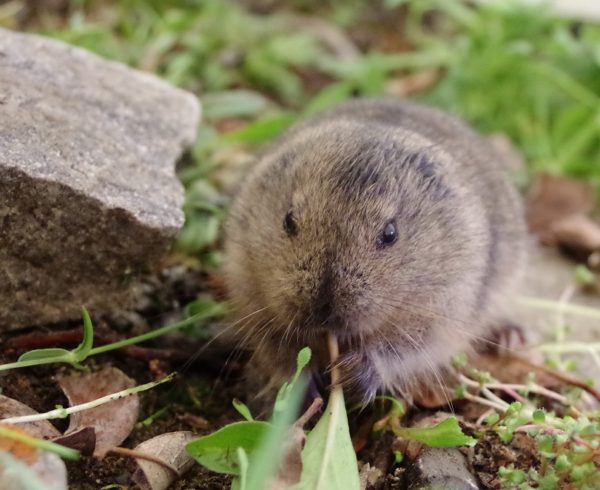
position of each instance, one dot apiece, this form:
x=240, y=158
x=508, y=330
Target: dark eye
x=289, y=224
x=388, y=235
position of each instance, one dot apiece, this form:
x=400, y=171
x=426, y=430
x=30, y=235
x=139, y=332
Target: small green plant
x=567, y=442
x=250, y=450
x=75, y=357
x=446, y=433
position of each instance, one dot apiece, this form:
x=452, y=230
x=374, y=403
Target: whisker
x=425, y=312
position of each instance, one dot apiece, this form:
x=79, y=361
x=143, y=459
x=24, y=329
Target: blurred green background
x=258, y=65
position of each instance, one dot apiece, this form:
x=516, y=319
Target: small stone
x=438, y=468
x=88, y=195
x=442, y=468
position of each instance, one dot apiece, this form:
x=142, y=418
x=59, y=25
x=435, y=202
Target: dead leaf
x=369, y=476
x=290, y=468
x=41, y=429
x=113, y=421
x=579, y=233
x=170, y=448
x=84, y=440
x=435, y=395
x=552, y=199
x=413, y=83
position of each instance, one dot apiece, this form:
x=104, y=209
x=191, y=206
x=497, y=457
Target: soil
x=199, y=400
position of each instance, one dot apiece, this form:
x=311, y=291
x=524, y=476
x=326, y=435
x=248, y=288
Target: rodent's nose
x=323, y=304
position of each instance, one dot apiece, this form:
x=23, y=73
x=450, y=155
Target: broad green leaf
x=445, y=434
x=233, y=103
x=242, y=409
x=218, y=451
x=328, y=458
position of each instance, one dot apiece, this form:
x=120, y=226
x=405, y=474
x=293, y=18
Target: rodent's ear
x=422, y=163
x=433, y=182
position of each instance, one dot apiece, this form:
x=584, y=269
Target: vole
x=392, y=225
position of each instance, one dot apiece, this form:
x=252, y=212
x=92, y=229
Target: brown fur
x=400, y=311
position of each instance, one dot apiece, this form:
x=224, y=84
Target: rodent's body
x=392, y=225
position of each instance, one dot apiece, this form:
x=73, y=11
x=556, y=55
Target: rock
x=88, y=195
x=435, y=468
x=442, y=468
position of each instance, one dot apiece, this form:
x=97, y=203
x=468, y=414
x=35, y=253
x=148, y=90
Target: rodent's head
x=344, y=227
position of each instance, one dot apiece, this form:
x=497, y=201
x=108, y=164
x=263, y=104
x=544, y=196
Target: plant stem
x=488, y=403
x=215, y=311
x=132, y=453
x=550, y=305
x=32, y=362
x=60, y=413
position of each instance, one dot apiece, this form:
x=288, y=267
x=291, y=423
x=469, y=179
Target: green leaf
x=218, y=451
x=329, y=96
x=242, y=409
x=302, y=361
x=75, y=356
x=584, y=276
x=539, y=416
x=397, y=408
x=55, y=354
x=200, y=231
x=233, y=103
x=82, y=350
x=284, y=392
x=445, y=434
x=262, y=130
x=328, y=458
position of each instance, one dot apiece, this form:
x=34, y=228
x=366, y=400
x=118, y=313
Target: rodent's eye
x=388, y=235
x=289, y=224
